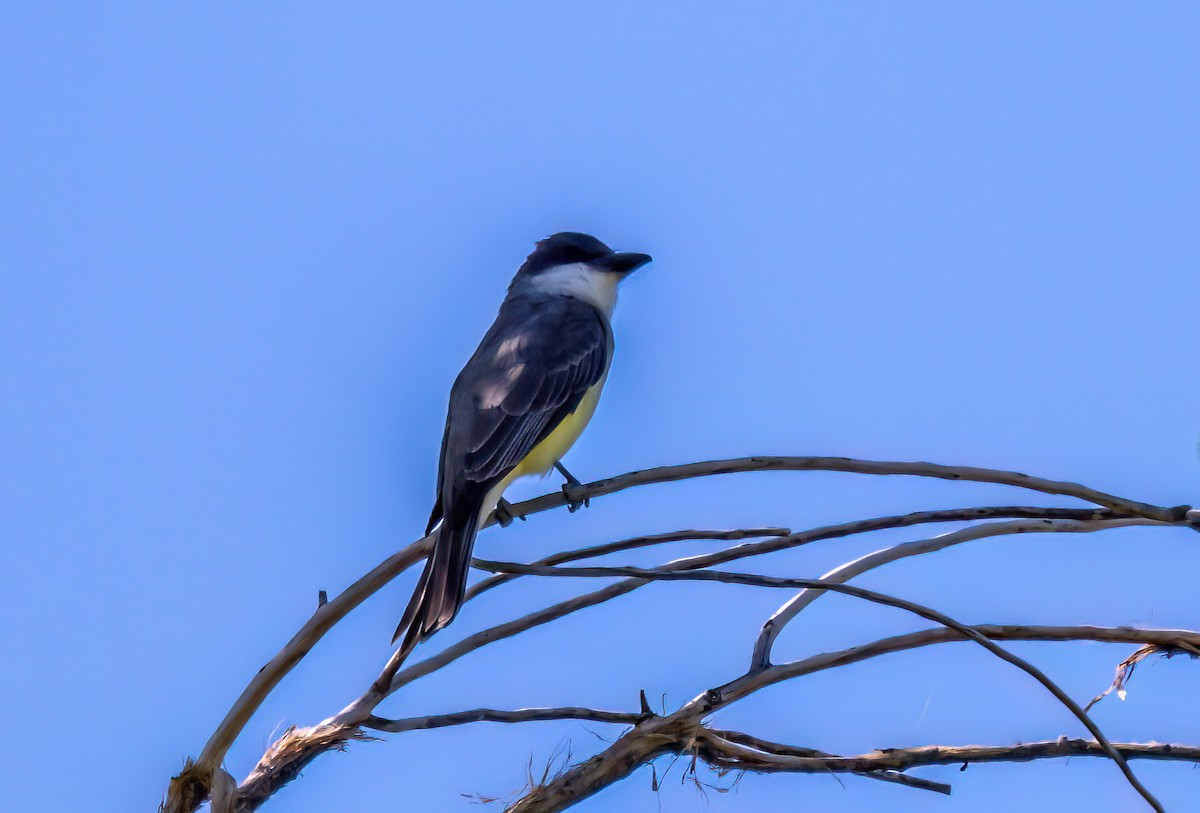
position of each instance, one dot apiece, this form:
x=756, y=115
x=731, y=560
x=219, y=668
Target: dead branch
x=876, y=597
x=668, y=474
x=747, y=550
x=1125, y=668
x=775, y=624
x=499, y=716
x=391, y=679
x=633, y=543
x=721, y=750
x=612, y=765
x=283, y=760
x=883, y=775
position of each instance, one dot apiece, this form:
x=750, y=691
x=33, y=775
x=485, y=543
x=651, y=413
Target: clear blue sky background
x=246, y=248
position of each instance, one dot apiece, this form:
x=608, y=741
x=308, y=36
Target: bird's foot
x=570, y=487
x=504, y=513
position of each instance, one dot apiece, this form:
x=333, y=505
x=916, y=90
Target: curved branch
x=598, y=716
x=703, y=560
x=778, y=673
x=632, y=543
x=300, y=747
x=843, y=573
x=708, y=468
x=783, y=540
x=1051, y=520
x=390, y=680
x=189, y=789
x=622, y=757
x=890, y=601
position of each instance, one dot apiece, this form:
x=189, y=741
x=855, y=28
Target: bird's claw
x=569, y=487
x=504, y=513
x=569, y=492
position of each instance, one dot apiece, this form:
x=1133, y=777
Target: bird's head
x=572, y=248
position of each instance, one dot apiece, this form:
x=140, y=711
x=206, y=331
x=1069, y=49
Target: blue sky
x=247, y=248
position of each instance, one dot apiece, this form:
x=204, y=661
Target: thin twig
x=704, y=560
x=778, y=673
x=501, y=716
x=359, y=710
x=632, y=543
x=842, y=573
x=189, y=789
x=592, y=715
x=769, y=747
x=868, y=595
x=786, y=758
x=785, y=540
x=642, y=743
x=669, y=474
x=1125, y=668
x=608, y=766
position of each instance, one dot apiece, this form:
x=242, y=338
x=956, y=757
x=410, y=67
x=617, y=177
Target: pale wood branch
x=391, y=679
x=613, y=764
x=724, y=749
x=668, y=474
x=783, y=539
x=777, y=673
x=354, y=714
x=1125, y=668
x=645, y=541
x=191, y=787
x=761, y=655
x=744, y=551
x=882, y=775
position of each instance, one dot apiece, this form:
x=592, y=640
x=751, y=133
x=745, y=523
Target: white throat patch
x=579, y=280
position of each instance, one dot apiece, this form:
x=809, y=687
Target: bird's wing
x=530, y=372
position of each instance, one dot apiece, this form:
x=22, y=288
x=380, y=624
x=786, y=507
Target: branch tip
x=647, y=712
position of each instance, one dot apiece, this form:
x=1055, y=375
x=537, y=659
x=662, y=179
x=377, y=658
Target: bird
x=522, y=400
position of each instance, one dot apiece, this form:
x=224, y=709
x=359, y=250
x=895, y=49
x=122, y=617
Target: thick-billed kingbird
x=519, y=404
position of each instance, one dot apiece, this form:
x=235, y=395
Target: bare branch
x=843, y=573
x=796, y=751
x=498, y=716
x=620, y=759
x=785, y=540
x=668, y=474
x=660, y=735
x=386, y=683
x=288, y=756
x=190, y=788
x=1125, y=668
x=754, y=681
x=391, y=680
x=767, y=756
x=304, y=745
x=870, y=595
x=361, y=707
x=741, y=552
x=631, y=544
x=511, y=628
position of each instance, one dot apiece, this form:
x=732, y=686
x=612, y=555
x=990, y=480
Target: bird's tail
x=440, y=590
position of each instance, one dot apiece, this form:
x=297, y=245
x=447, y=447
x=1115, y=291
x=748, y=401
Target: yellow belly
x=541, y=458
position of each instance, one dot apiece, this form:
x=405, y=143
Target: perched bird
x=518, y=405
